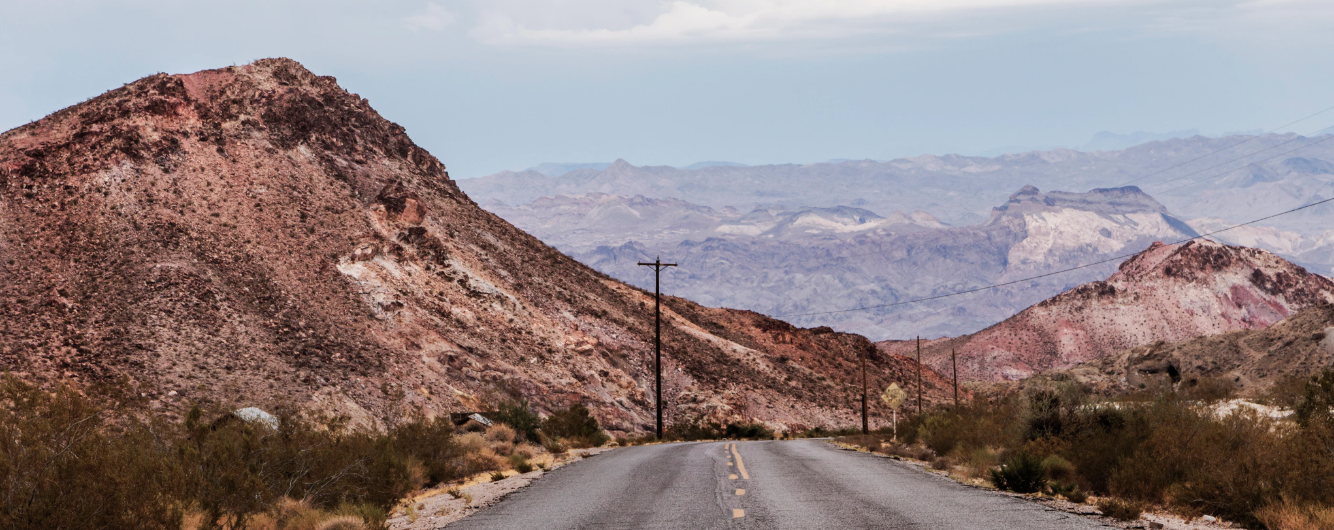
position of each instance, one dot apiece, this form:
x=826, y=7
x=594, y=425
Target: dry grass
x=288, y=514
x=1286, y=515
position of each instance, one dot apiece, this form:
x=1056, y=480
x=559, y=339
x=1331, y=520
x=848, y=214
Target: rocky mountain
x=1168, y=293
x=256, y=235
x=1234, y=178
x=803, y=263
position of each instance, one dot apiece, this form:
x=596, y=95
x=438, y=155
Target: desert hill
x=1167, y=293
x=257, y=235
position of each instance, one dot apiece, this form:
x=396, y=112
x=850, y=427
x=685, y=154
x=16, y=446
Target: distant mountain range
x=802, y=241
x=799, y=264
x=1249, y=177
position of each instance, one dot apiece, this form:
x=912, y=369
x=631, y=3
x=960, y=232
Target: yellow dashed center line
x=738, y=513
x=740, y=491
x=740, y=464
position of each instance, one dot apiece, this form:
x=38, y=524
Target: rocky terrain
x=1166, y=294
x=256, y=235
x=1252, y=360
x=801, y=263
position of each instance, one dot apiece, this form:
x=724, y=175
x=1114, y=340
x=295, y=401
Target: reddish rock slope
x=1166, y=293
x=258, y=235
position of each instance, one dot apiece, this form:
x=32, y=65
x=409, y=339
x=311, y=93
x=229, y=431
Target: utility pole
x=954, y=360
x=866, y=429
x=919, y=375
x=658, y=266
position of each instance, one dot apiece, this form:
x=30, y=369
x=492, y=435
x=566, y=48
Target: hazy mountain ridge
x=1271, y=173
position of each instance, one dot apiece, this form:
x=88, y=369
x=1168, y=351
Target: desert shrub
x=1120, y=510
x=1069, y=490
x=1021, y=473
x=431, y=442
x=500, y=433
x=1207, y=389
x=747, y=431
x=941, y=463
x=64, y=463
x=915, y=452
x=693, y=430
x=1101, y=440
x=1314, y=406
x=555, y=446
x=525, y=450
x=78, y=465
x=515, y=461
x=1286, y=392
x=520, y=416
x=1058, y=469
x=497, y=476
x=577, y=425
x=976, y=463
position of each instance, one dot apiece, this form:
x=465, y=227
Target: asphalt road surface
x=773, y=484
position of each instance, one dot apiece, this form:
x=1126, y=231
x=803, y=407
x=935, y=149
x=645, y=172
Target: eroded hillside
x=258, y=235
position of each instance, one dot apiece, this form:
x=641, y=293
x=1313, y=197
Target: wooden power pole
x=954, y=360
x=919, y=374
x=866, y=427
x=658, y=266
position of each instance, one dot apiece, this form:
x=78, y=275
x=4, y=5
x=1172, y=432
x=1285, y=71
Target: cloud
x=682, y=21
x=433, y=18
x=649, y=23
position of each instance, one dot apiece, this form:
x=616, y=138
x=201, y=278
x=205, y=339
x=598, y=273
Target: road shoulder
x=438, y=506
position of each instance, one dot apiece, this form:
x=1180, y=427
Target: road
x=770, y=484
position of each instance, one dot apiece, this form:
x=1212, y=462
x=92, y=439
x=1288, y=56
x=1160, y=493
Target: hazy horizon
x=489, y=86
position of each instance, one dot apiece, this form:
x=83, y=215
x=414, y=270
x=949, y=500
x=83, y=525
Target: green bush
x=519, y=416
x=1069, y=490
x=577, y=425
x=1021, y=473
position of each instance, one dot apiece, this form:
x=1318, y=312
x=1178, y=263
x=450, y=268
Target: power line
x=1211, y=153
x=1062, y=271
x=1243, y=157
x=1192, y=183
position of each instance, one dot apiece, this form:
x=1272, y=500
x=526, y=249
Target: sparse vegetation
x=67, y=462
x=706, y=430
x=1120, y=510
x=576, y=425
x=1021, y=473
x=519, y=415
x=1171, y=449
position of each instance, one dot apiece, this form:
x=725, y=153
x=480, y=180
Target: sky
x=507, y=84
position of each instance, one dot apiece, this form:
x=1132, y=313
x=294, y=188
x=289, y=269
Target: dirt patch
x=439, y=507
